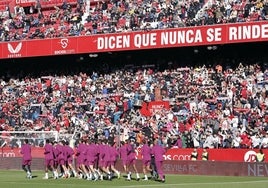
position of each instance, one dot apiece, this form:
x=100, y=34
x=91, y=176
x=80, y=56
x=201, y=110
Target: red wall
x=231, y=155
x=172, y=167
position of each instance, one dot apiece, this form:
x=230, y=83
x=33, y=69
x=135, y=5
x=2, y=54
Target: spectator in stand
x=209, y=142
x=256, y=141
x=174, y=141
x=80, y=3
x=189, y=140
x=65, y=5
x=245, y=140
x=264, y=142
x=39, y=7
x=108, y=17
x=62, y=104
x=216, y=141
x=236, y=141
x=227, y=141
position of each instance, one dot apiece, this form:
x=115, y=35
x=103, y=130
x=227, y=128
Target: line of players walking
x=95, y=160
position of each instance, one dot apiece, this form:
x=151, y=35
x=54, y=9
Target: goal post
x=36, y=138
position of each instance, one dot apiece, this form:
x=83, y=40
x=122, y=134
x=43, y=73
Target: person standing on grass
x=62, y=159
x=26, y=152
x=123, y=155
x=49, y=158
x=104, y=159
x=131, y=159
x=69, y=155
x=81, y=159
x=114, y=154
x=55, y=156
x=146, y=158
x=90, y=155
x=158, y=151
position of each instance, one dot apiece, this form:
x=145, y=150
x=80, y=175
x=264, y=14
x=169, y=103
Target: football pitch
x=17, y=179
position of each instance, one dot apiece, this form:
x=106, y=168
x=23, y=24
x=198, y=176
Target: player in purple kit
x=104, y=159
x=81, y=158
x=49, y=158
x=62, y=159
x=98, y=160
x=69, y=158
x=55, y=155
x=146, y=158
x=114, y=154
x=26, y=158
x=91, y=152
x=131, y=159
x=123, y=155
x=158, y=151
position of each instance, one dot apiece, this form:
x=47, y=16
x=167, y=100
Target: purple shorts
x=26, y=162
x=49, y=162
x=146, y=162
x=106, y=164
x=56, y=162
x=61, y=162
x=103, y=163
x=89, y=162
x=112, y=163
x=79, y=162
x=124, y=162
x=70, y=160
x=131, y=161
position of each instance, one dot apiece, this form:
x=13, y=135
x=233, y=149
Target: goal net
x=36, y=138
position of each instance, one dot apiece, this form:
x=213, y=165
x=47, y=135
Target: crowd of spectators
x=123, y=16
x=210, y=106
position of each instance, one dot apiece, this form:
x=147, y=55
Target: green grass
x=16, y=179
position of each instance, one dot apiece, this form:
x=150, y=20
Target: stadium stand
x=232, y=98
x=213, y=106
x=45, y=19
